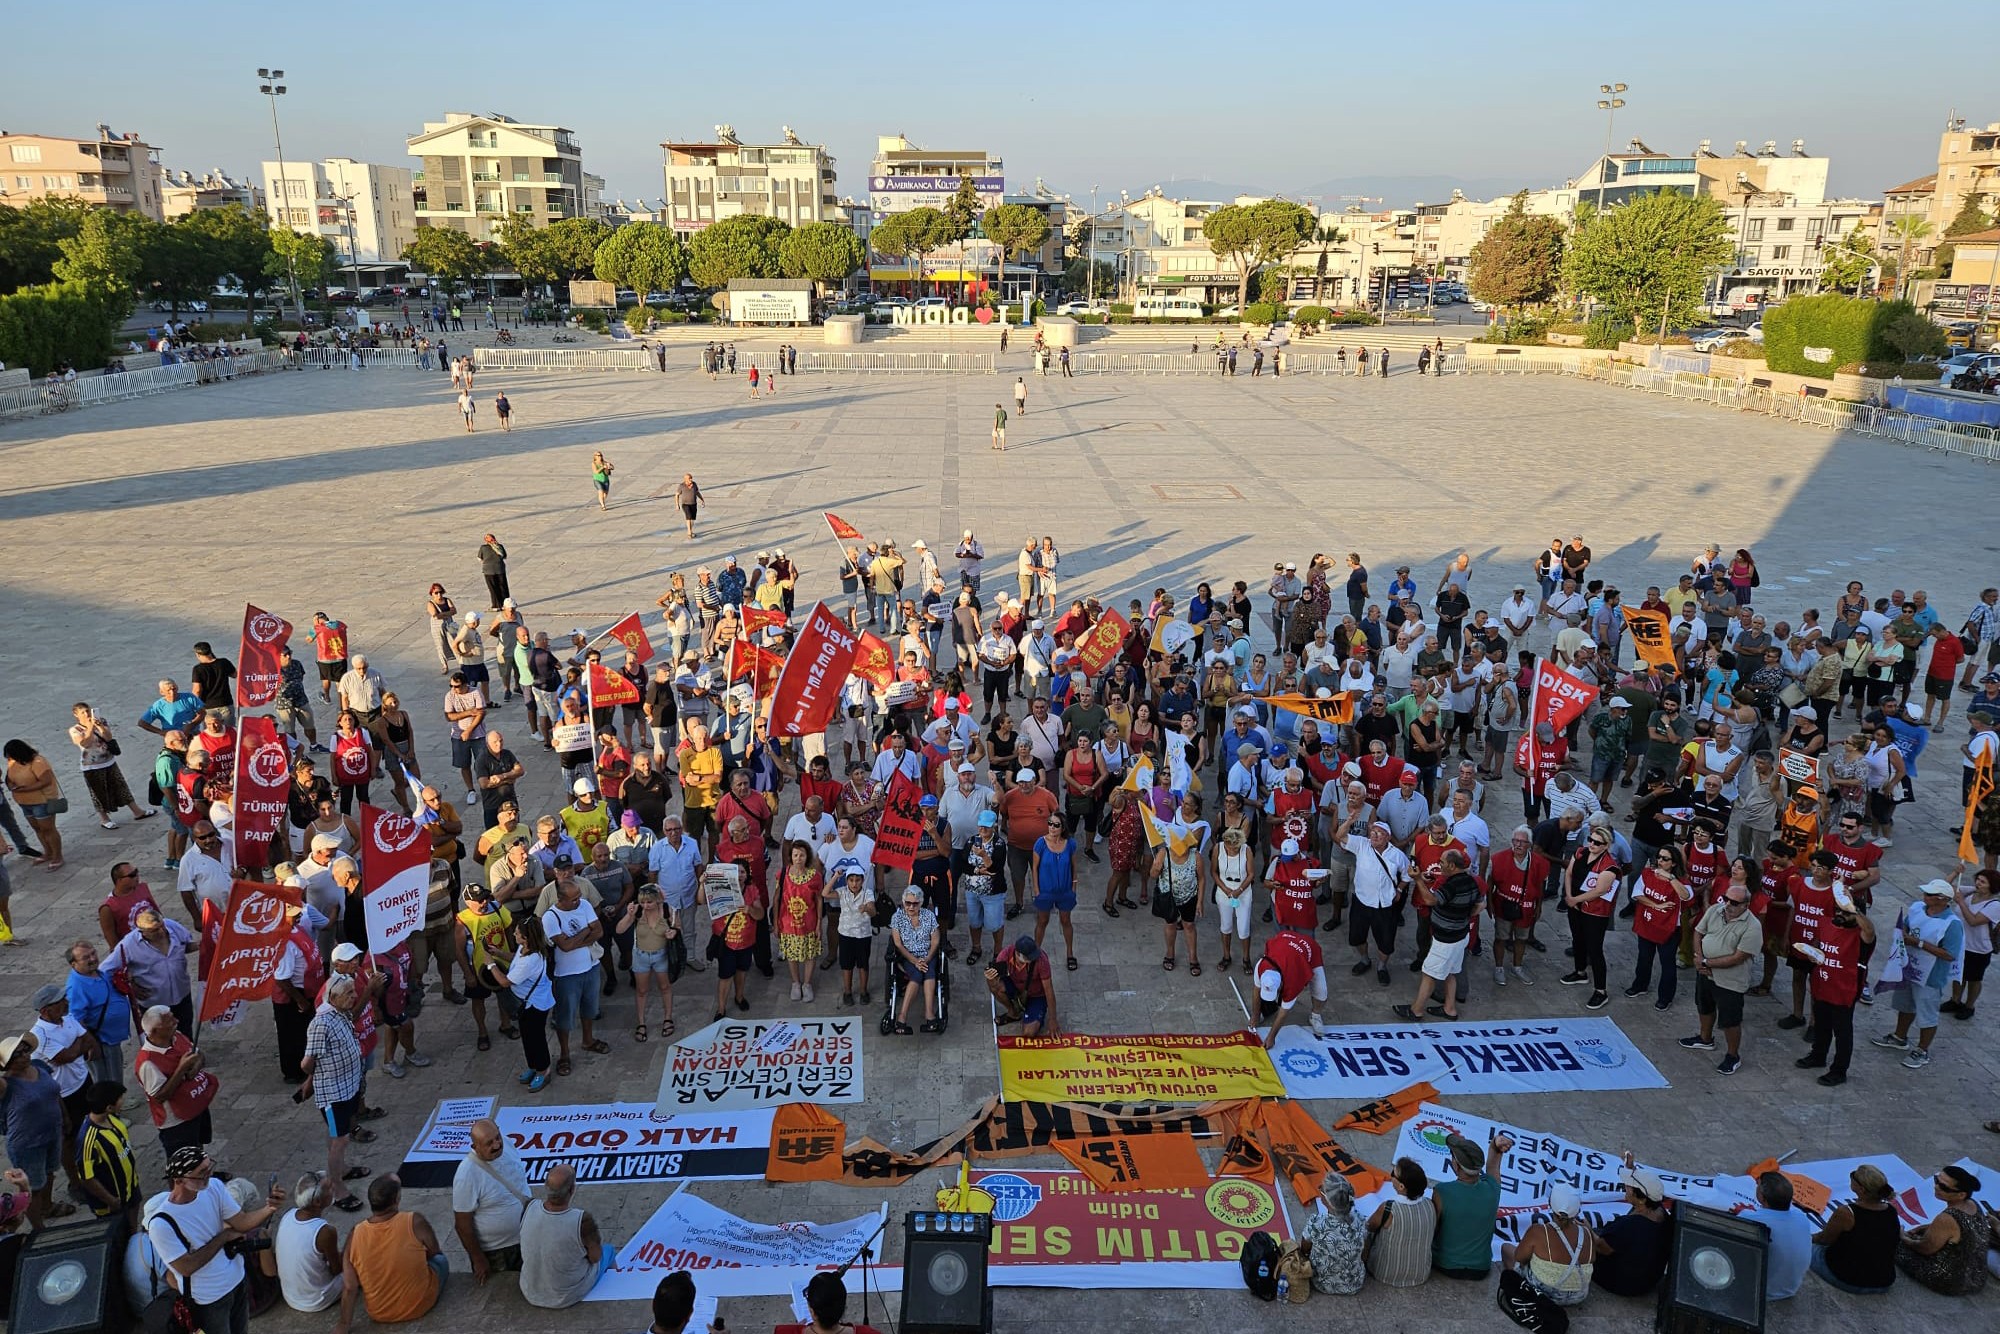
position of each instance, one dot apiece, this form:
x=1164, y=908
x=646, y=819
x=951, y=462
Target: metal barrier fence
x=1205, y=363
x=1684, y=363
x=93, y=390
x=322, y=357
x=563, y=359
x=898, y=363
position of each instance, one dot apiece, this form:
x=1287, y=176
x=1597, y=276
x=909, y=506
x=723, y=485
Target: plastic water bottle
x=923, y=1222
x=1284, y=1286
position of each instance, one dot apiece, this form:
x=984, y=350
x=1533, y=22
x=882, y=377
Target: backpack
x=1260, y=1266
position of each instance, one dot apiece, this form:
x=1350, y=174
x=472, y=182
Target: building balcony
x=552, y=178
x=491, y=206
x=485, y=175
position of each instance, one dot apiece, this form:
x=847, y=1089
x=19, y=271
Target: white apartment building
x=328, y=198
x=709, y=180
x=478, y=169
x=904, y=176
x=183, y=193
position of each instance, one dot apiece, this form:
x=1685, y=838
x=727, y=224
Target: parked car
x=1082, y=308
x=1228, y=312
x=925, y=302
x=1707, y=340
x=1954, y=369
x=1755, y=332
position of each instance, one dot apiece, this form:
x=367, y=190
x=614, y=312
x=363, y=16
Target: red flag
x=253, y=938
x=608, y=687
x=902, y=818
x=842, y=529
x=873, y=662
x=263, y=780
x=763, y=618
x=808, y=690
x=1101, y=644
x=633, y=636
x=395, y=876
x=257, y=678
x=759, y=665
x=1556, y=699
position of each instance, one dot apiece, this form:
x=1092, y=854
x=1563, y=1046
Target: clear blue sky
x=1269, y=97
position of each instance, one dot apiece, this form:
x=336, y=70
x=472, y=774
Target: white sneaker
x=393, y=1069
x=1499, y=974
x=808, y=996
x=419, y=1060
x=472, y=796
x=796, y=989
x=1521, y=972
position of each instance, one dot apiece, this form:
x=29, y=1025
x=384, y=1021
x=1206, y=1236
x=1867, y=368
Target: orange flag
x=1148, y=1162
x=1335, y=709
x=1101, y=643
x=873, y=662
x=608, y=687
x=1807, y=1193
x=842, y=529
x=806, y=1141
x=1982, y=784
x=1381, y=1115
x=1651, y=636
x=633, y=636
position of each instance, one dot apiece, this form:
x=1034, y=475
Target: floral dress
x=1128, y=838
x=1849, y=773
x=1337, y=1241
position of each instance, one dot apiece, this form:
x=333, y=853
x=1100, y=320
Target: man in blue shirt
x=1791, y=1236
x=171, y=712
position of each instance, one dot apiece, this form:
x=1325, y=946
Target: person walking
x=1020, y=396
x=467, y=407
x=600, y=477
x=1000, y=427
x=689, y=497
x=504, y=411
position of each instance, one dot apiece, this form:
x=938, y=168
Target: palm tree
x=1329, y=235
x=1908, y=229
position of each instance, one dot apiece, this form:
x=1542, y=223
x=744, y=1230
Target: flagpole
x=860, y=584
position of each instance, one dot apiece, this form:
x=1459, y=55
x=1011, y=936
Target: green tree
x=825, y=252
x=446, y=254
x=1971, y=217
x=31, y=239
x=1907, y=230
x=1078, y=280
x=182, y=264
x=1847, y=264
x=643, y=256
x=42, y=328
x=1019, y=230
x=912, y=234
x=740, y=247
x=573, y=245
x=108, y=251
x=1519, y=262
x=1910, y=335
x=242, y=243
x=306, y=254
x=1648, y=260
x=527, y=250
x=1253, y=235
x=963, y=209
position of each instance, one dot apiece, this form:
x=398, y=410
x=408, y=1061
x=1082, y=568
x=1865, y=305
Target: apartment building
x=339, y=197
x=1968, y=164
x=477, y=169
x=183, y=193
x=904, y=176
x=115, y=171
x=709, y=180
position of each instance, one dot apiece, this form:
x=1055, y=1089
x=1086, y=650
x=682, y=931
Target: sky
x=1312, y=102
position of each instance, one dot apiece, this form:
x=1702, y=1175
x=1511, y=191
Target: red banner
x=1556, y=699
x=608, y=687
x=842, y=529
x=395, y=876
x=873, y=662
x=257, y=678
x=763, y=618
x=633, y=636
x=253, y=937
x=902, y=818
x=1099, y=647
x=808, y=690
x=263, y=781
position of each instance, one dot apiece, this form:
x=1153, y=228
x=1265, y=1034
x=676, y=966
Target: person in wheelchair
x=917, y=946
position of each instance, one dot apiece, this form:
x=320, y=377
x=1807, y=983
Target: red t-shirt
x=1293, y=955
x=1812, y=909
x=1292, y=895
x=1519, y=885
x=1427, y=857
x=1836, y=979
x=1657, y=915
x=1946, y=654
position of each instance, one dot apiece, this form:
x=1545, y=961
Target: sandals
x=509, y=1032
x=563, y=1066
x=145, y=815
x=1167, y=964
x=356, y=1173
x=902, y=1030
x=1072, y=963
x=667, y=1028
x=350, y=1205
x=1124, y=902
x=972, y=959
x=639, y=1033
x=597, y=1046
x=1110, y=911
x=1194, y=970
x=485, y=1043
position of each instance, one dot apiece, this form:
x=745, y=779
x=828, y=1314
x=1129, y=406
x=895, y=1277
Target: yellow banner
x=1335, y=709
x=1650, y=636
x=1140, y=1067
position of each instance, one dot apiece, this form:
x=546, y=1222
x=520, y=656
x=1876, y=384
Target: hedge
x=1263, y=312
x=1853, y=330
x=63, y=323
x=1312, y=315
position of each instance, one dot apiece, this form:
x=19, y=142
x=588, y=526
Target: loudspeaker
x=67, y=1279
x=944, y=1273
x=1715, y=1276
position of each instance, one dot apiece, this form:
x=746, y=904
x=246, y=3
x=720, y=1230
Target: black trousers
x=496, y=589
x=1588, y=933
x=291, y=1022
x=1832, y=1026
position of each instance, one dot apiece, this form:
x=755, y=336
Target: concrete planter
x=1729, y=367
x=1859, y=388
x=1641, y=354
x=1565, y=340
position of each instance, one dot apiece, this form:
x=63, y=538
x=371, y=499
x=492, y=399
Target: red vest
x=1291, y=816
x=194, y=1095
x=364, y=1014
x=188, y=806
x=1604, y=904
x=1836, y=979
x=1519, y=885
x=1853, y=861
x=1658, y=915
x=315, y=975
x=1543, y=763
x=1294, y=955
x=1292, y=894
x=1708, y=872
x=1812, y=909
x=353, y=761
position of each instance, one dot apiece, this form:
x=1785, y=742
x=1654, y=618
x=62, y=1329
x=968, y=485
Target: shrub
x=1909, y=335
x=1603, y=331
x=1891, y=370
x=1571, y=327
x=638, y=317
x=43, y=327
x=592, y=319
x=213, y=332
x=1263, y=312
x=1843, y=326
x=1356, y=317
x=1121, y=308
x=1312, y=315
x=1742, y=347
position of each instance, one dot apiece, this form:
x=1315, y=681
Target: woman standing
x=97, y=755
x=528, y=980
x=1847, y=771
x=1052, y=874
x=1200, y=607
x=652, y=925
x=1425, y=748
x=34, y=787
x=689, y=497
x=801, y=886
x=1046, y=561
x=1980, y=909
x=600, y=477
x=1657, y=902
x=1125, y=836
x=1143, y=734
x=1083, y=782
x=1743, y=576
x=1589, y=894
x=851, y=895
x=443, y=619
x=965, y=628
x=400, y=747
x=1235, y=871
x=353, y=760
x=733, y=936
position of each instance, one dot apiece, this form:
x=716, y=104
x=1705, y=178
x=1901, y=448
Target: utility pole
x=269, y=86
x=1608, y=104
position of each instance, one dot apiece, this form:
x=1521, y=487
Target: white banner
x=1518, y=1056
x=730, y=1256
x=741, y=1064
x=612, y=1142
x=1540, y=1160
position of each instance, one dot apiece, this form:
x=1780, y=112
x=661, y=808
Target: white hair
x=344, y=866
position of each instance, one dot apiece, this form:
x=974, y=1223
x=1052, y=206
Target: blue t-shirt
x=1054, y=872
x=177, y=715
x=33, y=1109
x=1791, y=1250
x=1357, y=580
x=101, y=1010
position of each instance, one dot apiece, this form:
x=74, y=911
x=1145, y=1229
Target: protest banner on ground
x=733, y=1256
x=1518, y=1056
x=395, y=876
x=608, y=1142
x=735, y=1064
x=258, y=673
x=1084, y=1067
x=258, y=798
x=1123, y=1164
x=246, y=954
x=1540, y=1160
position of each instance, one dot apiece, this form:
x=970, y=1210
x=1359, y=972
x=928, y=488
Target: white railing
x=93, y=390
x=1206, y=363
x=897, y=363
x=322, y=356
x=563, y=359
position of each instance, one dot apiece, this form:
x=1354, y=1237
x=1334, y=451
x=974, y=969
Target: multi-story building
x=339, y=197
x=1911, y=199
x=708, y=181
x=480, y=169
x=115, y=171
x=904, y=176
x=184, y=193
x=1973, y=289
x=1968, y=165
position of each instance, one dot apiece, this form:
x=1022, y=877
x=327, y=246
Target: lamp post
x=1608, y=104
x=1090, y=279
x=1748, y=189
x=269, y=86
x=353, y=253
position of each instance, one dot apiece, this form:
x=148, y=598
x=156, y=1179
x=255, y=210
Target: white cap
x=1268, y=982
x=918, y=545
x=1291, y=565
x=508, y=603
x=582, y=785
x=346, y=952
x=1619, y=702
x=1035, y=624
x=472, y=616
x=1350, y=770
x=966, y=533
x=1588, y=643
x=324, y=842
x=1024, y=776
x=1290, y=848
x=967, y=769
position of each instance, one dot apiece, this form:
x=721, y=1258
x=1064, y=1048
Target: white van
x=1166, y=308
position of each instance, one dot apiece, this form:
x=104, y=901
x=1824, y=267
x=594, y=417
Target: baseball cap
x=1350, y=770
x=185, y=1161
x=1268, y=982
x=1937, y=889
x=1644, y=1180
x=1409, y=776
x=1619, y=702
x=951, y=704
x=928, y=802
x=48, y=995
x=1027, y=948
x=1564, y=1200
x=966, y=768
x=1025, y=776
x=564, y=861
x=848, y=866
x=1291, y=565
x=1290, y=848
x=324, y=842
x=1806, y=790
x=629, y=819
x=989, y=819
x=582, y=785
x=508, y=604
x=1245, y=711
x=346, y=952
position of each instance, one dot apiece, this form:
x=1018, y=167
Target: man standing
x=153, y=958
x=178, y=1090
x=214, y=678
x=192, y=1230
x=1020, y=396
x=573, y=927
x=493, y=566
x=1839, y=941
x=489, y=1192
x=1726, y=939
x=333, y=1070
x=1000, y=427
x=1932, y=937
x=1380, y=873
x=1453, y=901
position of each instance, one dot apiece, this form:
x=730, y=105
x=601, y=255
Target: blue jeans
x=1642, y=976
x=577, y=992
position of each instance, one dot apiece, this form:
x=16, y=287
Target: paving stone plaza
x=135, y=529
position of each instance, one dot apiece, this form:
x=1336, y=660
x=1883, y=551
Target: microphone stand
x=865, y=1257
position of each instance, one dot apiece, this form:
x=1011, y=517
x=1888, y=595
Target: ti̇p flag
x=262, y=784
x=252, y=939
x=633, y=636
x=257, y=678
x=395, y=876
x=873, y=662
x=608, y=687
x=842, y=529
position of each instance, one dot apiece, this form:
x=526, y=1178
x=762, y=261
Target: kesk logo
x=1241, y=1204
x=392, y=833
x=265, y=628
x=269, y=765
x=258, y=914
x=1432, y=1134
x=1014, y=1198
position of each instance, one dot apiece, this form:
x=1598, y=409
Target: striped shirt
x=106, y=1155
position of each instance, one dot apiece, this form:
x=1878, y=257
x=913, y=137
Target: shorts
x=1975, y=966
x=909, y=970
x=1520, y=929
x=855, y=951
x=545, y=703
x=987, y=911
x=1937, y=689
x=1061, y=898
x=1235, y=914
x=729, y=962
x=1604, y=766
x=1382, y=924
x=1036, y=1011
x=290, y=713
x=1725, y=1005
x=331, y=672
x=648, y=961
x=39, y=1161
x=474, y=672
x=461, y=752
x=1923, y=1002
x=1445, y=960
x=576, y=994
x=340, y=1117
x=39, y=810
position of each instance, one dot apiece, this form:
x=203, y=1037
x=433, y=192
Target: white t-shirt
x=801, y=829
x=1518, y=615
x=1398, y=662
x=560, y=921
x=831, y=854
x=495, y=1210
x=204, y=877
x=308, y=1282
x=1471, y=831
x=199, y=1220
x=528, y=976
x=52, y=1038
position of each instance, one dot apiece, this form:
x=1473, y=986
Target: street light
x=1090, y=281
x=269, y=86
x=353, y=253
x=1748, y=189
x=1608, y=104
